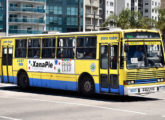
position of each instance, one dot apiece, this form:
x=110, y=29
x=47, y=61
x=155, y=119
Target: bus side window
x=20, y=48
x=34, y=48
x=86, y=47
x=48, y=47
x=65, y=47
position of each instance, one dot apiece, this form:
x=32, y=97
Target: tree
x=128, y=19
x=161, y=23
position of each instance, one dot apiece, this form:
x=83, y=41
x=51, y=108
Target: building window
x=111, y=3
x=20, y=48
x=111, y=12
x=146, y=10
x=152, y=10
x=72, y=21
x=72, y=11
x=156, y=11
x=152, y=17
x=146, y=3
x=152, y=2
x=86, y=47
x=127, y=5
x=155, y=18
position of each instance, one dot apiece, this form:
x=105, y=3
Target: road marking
x=9, y=118
x=79, y=104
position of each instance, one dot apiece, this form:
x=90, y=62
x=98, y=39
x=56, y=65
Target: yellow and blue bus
x=121, y=62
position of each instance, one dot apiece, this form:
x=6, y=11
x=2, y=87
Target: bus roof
x=81, y=33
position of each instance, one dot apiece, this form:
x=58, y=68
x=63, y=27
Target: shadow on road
x=98, y=97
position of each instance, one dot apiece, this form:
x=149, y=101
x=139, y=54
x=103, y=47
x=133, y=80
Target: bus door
x=109, y=82
x=7, y=61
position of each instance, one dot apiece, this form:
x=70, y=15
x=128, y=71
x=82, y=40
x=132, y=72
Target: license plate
x=149, y=89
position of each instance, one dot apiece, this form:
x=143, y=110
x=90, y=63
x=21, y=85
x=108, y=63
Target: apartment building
x=2, y=15
x=122, y=4
x=163, y=4
x=137, y=5
x=109, y=8
x=150, y=8
x=62, y=15
x=26, y=16
x=92, y=15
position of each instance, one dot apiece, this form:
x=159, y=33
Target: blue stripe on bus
x=146, y=81
x=12, y=79
x=97, y=88
x=57, y=84
x=114, y=90
x=105, y=90
x=121, y=90
x=0, y=79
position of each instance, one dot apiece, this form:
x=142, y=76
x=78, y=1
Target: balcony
x=28, y=20
x=30, y=1
x=89, y=15
x=37, y=0
x=19, y=31
x=26, y=9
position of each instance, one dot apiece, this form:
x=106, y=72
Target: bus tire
x=87, y=87
x=23, y=80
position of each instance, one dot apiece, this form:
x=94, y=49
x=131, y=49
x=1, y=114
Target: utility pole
x=79, y=15
x=94, y=20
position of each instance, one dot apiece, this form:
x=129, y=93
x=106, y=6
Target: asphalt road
x=48, y=104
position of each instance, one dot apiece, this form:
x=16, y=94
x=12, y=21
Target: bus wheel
x=23, y=80
x=87, y=86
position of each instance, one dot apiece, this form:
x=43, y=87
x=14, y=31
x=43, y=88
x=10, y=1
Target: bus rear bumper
x=143, y=89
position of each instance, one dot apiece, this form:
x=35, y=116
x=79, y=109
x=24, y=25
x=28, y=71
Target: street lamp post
x=79, y=15
x=94, y=20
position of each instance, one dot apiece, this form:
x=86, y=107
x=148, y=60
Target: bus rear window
x=143, y=35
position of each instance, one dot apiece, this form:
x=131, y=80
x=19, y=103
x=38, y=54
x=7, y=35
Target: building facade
x=92, y=15
x=150, y=8
x=137, y=5
x=163, y=4
x=62, y=15
x=2, y=15
x=109, y=8
x=26, y=16
x=122, y=4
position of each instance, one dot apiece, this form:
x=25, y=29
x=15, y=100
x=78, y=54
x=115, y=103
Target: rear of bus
x=144, y=62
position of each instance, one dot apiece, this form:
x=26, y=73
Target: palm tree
x=129, y=19
x=161, y=23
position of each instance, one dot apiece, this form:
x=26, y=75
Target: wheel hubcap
x=87, y=86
